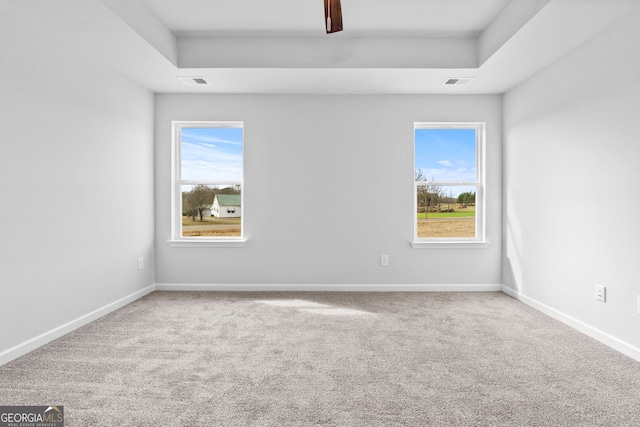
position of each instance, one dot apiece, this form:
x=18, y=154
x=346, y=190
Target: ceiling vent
x=193, y=81
x=458, y=81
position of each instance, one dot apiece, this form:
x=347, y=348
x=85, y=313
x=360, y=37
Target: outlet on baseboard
x=601, y=293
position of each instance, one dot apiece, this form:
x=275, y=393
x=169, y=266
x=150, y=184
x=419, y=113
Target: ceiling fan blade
x=333, y=16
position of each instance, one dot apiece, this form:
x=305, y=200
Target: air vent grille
x=191, y=81
x=458, y=81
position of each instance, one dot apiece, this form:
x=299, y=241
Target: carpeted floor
x=334, y=359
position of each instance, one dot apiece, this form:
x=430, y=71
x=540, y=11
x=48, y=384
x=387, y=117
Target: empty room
x=319, y=212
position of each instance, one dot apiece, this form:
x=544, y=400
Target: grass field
x=447, y=214
x=434, y=224
x=460, y=223
x=465, y=227
x=210, y=226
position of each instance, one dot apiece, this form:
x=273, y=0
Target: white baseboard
x=327, y=287
x=597, y=334
x=42, y=339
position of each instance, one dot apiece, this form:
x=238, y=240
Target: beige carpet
x=334, y=359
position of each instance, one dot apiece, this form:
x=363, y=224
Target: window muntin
x=208, y=161
x=448, y=184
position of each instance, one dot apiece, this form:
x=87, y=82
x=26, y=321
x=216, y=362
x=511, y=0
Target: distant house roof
x=228, y=199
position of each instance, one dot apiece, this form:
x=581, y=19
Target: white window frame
x=479, y=241
x=177, y=182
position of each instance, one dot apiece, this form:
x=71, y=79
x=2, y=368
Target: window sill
x=235, y=243
x=449, y=244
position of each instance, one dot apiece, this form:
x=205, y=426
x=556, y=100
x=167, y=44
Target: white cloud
x=206, y=163
x=446, y=163
x=199, y=138
x=450, y=175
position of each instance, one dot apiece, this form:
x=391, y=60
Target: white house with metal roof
x=227, y=206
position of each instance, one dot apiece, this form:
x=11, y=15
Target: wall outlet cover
x=384, y=260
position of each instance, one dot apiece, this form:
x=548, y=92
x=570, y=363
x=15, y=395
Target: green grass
x=209, y=220
x=446, y=214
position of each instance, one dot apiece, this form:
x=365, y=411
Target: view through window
x=448, y=181
x=208, y=171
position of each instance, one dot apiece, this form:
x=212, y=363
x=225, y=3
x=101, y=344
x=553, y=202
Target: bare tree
x=437, y=195
x=187, y=208
x=421, y=193
x=429, y=196
x=198, y=200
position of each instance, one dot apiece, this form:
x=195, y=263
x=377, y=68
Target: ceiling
x=280, y=46
x=459, y=18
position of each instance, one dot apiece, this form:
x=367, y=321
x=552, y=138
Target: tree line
x=200, y=199
x=431, y=197
x=466, y=199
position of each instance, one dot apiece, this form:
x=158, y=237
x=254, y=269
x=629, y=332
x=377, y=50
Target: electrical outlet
x=601, y=293
x=141, y=263
x=384, y=260
x=638, y=304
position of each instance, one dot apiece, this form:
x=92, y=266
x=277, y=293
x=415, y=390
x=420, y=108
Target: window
x=207, y=182
x=448, y=184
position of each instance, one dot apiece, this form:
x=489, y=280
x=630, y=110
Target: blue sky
x=211, y=154
x=446, y=154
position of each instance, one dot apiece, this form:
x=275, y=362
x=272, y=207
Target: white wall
x=341, y=159
x=572, y=152
x=76, y=167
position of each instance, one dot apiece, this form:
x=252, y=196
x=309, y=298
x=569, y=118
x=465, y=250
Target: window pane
x=445, y=211
x=211, y=153
x=211, y=210
x=445, y=155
